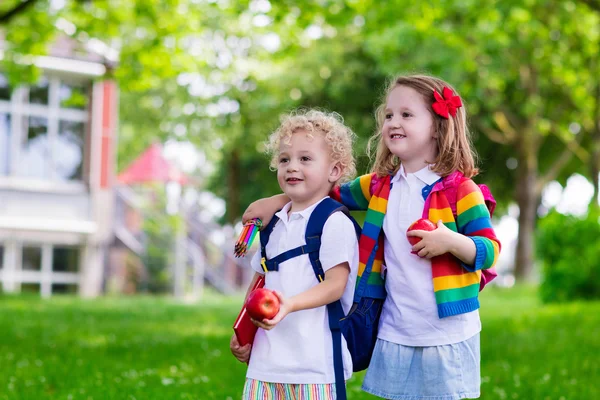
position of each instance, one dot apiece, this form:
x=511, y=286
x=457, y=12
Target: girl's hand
x=284, y=309
x=265, y=208
x=258, y=209
x=434, y=243
x=242, y=353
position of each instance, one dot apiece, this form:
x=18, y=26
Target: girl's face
x=408, y=128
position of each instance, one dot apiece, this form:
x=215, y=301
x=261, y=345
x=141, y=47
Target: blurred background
x=132, y=139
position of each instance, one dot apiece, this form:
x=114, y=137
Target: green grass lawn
x=155, y=348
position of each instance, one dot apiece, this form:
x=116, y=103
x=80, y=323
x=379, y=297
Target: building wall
x=56, y=216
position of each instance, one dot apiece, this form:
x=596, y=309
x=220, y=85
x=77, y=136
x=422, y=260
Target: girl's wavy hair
x=339, y=137
x=455, y=151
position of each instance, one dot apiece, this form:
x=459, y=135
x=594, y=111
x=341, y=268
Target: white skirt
x=447, y=372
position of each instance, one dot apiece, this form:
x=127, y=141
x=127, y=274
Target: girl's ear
x=335, y=173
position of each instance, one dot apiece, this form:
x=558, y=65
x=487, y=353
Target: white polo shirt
x=299, y=349
x=410, y=316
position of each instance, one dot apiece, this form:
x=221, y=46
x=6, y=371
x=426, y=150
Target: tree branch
x=19, y=8
x=593, y=4
x=495, y=136
x=505, y=126
x=572, y=148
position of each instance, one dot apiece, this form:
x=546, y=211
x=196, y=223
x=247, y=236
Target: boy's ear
x=335, y=173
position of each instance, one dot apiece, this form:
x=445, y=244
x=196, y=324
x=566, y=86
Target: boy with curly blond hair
x=291, y=355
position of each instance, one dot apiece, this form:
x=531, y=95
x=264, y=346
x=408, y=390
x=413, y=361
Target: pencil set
x=248, y=234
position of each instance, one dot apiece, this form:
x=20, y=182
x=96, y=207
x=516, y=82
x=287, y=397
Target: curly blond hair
x=338, y=137
x=455, y=150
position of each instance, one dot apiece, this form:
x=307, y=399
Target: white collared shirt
x=410, y=315
x=299, y=349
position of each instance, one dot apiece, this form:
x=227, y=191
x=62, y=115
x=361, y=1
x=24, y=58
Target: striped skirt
x=259, y=390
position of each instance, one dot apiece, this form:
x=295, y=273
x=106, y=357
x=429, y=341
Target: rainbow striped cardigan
x=456, y=285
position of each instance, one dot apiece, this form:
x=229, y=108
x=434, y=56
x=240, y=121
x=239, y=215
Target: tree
x=526, y=73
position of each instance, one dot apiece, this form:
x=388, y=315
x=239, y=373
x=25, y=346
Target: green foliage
x=541, y=85
x=527, y=72
x=569, y=254
x=155, y=348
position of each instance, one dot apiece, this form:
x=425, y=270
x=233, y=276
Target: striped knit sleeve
x=355, y=194
x=473, y=220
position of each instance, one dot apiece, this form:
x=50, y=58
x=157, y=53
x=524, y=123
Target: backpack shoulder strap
x=451, y=189
x=490, y=201
x=335, y=312
x=265, y=234
x=314, y=230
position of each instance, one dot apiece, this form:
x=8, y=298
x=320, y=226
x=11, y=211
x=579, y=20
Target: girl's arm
x=265, y=208
x=328, y=291
x=474, y=222
x=475, y=243
x=355, y=194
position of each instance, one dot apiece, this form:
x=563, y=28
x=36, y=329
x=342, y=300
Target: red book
x=244, y=328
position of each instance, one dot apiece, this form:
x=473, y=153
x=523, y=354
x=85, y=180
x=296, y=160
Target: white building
x=57, y=161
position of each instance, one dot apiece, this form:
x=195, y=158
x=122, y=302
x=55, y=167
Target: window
x=39, y=93
x=36, y=152
x=43, y=129
x=73, y=96
x=65, y=259
x=32, y=258
x=30, y=288
x=5, y=94
x=64, y=288
x=5, y=90
x=4, y=143
x=70, y=145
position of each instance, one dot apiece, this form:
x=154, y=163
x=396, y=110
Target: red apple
x=262, y=304
x=422, y=224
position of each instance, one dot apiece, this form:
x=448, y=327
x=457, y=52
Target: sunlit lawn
x=155, y=348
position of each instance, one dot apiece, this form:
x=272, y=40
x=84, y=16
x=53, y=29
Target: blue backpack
x=360, y=326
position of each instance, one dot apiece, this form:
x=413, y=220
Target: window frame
x=20, y=110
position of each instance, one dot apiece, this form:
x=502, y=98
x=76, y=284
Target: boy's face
x=305, y=171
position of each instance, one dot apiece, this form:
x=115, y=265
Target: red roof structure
x=152, y=167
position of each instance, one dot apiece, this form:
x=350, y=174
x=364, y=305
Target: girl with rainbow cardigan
x=428, y=340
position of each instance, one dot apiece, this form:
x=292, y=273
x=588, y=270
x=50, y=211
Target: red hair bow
x=448, y=104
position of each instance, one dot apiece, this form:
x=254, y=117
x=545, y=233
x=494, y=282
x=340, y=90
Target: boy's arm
x=252, y=282
x=474, y=222
x=328, y=291
x=355, y=194
x=265, y=208
x=338, y=255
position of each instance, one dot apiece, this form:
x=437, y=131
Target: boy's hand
x=242, y=353
x=434, y=243
x=284, y=309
